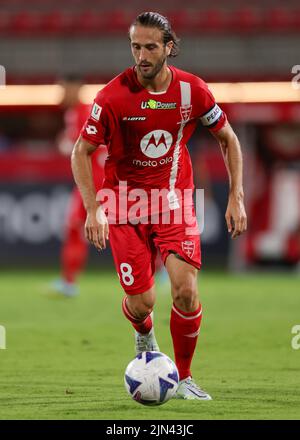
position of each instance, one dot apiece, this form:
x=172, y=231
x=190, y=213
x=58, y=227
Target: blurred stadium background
x=249, y=55
x=42, y=41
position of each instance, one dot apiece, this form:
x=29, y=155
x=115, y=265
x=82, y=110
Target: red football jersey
x=146, y=133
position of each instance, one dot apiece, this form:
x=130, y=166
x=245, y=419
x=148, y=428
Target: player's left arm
x=235, y=216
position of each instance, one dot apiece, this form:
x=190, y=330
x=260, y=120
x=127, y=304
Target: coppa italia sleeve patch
x=96, y=111
x=210, y=118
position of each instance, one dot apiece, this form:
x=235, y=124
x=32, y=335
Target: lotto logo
x=91, y=129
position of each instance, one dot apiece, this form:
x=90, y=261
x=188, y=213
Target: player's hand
x=235, y=216
x=96, y=228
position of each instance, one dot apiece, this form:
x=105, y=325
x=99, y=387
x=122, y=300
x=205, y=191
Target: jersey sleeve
x=211, y=115
x=99, y=126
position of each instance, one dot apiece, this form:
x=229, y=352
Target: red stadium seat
x=245, y=20
x=52, y=23
x=115, y=21
x=278, y=19
x=66, y=17
x=5, y=22
x=24, y=23
x=208, y=20
x=179, y=20
x=295, y=20
x=90, y=23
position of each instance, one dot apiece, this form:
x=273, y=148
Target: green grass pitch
x=65, y=358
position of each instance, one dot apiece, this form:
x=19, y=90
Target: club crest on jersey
x=157, y=105
x=156, y=143
x=185, y=111
x=188, y=248
x=96, y=112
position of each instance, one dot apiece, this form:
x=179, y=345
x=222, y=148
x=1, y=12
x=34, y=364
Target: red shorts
x=134, y=249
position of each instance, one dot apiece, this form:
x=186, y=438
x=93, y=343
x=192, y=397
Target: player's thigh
x=180, y=239
x=179, y=245
x=133, y=257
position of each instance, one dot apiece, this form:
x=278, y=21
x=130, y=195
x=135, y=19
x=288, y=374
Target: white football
x=151, y=378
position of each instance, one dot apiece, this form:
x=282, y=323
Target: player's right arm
x=96, y=225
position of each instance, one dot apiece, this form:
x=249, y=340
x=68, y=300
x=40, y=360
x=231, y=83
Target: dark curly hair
x=154, y=19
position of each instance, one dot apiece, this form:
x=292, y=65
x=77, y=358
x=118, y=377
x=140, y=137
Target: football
x=151, y=378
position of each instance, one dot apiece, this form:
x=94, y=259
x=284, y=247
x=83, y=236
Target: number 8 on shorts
x=126, y=272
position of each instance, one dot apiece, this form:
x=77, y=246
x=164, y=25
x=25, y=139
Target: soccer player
x=74, y=250
x=145, y=116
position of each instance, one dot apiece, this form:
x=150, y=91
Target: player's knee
x=185, y=297
x=141, y=311
x=140, y=308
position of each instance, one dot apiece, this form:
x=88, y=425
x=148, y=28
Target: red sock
x=73, y=254
x=185, y=329
x=141, y=325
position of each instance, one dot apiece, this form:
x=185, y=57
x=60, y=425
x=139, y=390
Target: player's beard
x=155, y=69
